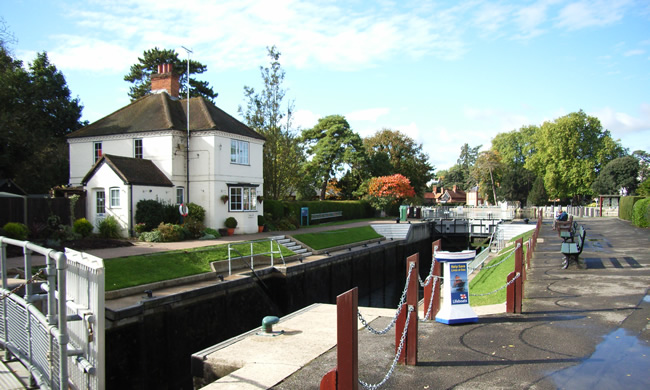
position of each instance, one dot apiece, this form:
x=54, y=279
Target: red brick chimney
x=165, y=80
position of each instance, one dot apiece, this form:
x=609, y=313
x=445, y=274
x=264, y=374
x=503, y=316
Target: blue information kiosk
x=455, y=293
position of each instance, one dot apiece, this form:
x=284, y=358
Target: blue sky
x=443, y=72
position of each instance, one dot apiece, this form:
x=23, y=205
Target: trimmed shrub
x=194, y=227
x=83, y=227
x=16, y=230
x=626, y=206
x=150, y=212
x=109, y=227
x=171, y=213
x=231, y=222
x=641, y=214
x=152, y=236
x=170, y=232
x=212, y=232
x=196, y=212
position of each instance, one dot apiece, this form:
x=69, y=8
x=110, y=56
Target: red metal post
x=409, y=355
x=519, y=285
x=428, y=289
x=346, y=374
x=510, y=294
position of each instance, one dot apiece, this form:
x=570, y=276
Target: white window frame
x=138, y=150
x=97, y=151
x=114, y=200
x=100, y=202
x=180, y=191
x=242, y=198
x=239, y=152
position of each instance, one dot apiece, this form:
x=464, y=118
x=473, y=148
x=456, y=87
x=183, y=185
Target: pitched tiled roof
x=160, y=111
x=134, y=171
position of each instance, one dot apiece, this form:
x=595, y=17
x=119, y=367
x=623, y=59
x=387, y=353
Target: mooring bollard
x=409, y=355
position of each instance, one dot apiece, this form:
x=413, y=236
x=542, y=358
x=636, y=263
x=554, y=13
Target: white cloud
x=97, y=55
x=635, y=52
x=305, y=119
x=620, y=123
x=369, y=114
x=582, y=14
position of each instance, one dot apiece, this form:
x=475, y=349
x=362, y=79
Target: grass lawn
x=132, y=271
x=491, y=279
x=329, y=239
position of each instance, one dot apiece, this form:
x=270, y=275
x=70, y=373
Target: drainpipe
x=131, y=232
x=187, y=158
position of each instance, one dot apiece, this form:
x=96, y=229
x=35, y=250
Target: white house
x=141, y=152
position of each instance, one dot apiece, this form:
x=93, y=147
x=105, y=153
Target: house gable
x=135, y=171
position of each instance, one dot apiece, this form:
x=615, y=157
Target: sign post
x=455, y=307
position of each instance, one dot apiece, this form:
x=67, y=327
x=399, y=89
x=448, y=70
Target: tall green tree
x=619, y=173
x=515, y=148
x=486, y=172
x=466, y=161
x=36, y=112
x=537, y=195
x=569, y=153
x=265, y=113
x=644, y=163
x=404, y=155
x=332, y=145
x=140, y=74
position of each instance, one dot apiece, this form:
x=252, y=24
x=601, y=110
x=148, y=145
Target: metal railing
x=233, y=248
x=460, y=212
x=35, y=328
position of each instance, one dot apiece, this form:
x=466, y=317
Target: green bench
x=572, y=250
x=331, y=214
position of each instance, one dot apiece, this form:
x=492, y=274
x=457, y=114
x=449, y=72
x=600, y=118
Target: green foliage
x=194, y=227
x=619, y=173
x=626, y=206
x=231, y=222
x=140, y=74
x=261, y=220
x=282, y=154
x=152, y=236
x=109, y=227
x=331, y=144
x=537, y=195
x=275, y=208
x=196, y=212
x=212, y=232
x=149, y=212
x=644, y=188
x=36, y=114
x=641, y=213
x=569, y=152
x=170, y=232
x=83, y=227
x=16, y=230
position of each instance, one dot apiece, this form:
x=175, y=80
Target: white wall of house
x=104, y=181
x=211, y=170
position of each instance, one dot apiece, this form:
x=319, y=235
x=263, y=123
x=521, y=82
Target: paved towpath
x=581, y=328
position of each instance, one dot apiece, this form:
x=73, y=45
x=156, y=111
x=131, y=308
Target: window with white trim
x=238, y=152
x=100, y=202
x=180, y=195
x=137, y=148
x=243, y=199
x=97, y=147
x=115, y=197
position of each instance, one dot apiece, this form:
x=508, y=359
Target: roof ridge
x=167, y=110
x=206, y=113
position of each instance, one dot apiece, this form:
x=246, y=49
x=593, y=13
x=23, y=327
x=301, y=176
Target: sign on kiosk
x=455, y=294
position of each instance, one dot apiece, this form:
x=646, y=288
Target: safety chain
x=399, y=308
x=30, y=281
x=498, y=289
x=504, y=259
x=430, y=301
x=395, y=359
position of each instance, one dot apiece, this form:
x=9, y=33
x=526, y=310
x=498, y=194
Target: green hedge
x=626, y=206
x=352, y=209
x=641, y=215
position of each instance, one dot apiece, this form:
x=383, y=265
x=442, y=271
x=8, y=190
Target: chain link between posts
x=395, y=359
x=399, y=308
x=433, y=288
x=498, y=289
x=30, y=281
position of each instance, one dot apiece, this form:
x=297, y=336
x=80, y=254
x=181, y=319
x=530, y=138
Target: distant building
x=474, y=198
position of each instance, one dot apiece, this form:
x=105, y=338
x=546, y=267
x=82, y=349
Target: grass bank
x=334, y=238
x=123, y=272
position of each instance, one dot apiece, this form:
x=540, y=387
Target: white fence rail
x=460, y=212
x=60, y=351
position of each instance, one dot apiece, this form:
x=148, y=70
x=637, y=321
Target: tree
x=537, y=195
x=35, y=115
x=385, y=191
x=515, y=148
x=264, y=113
x=331, y=144
x=404, y=155
x=466, y=161
x=644, y=163
x=487, y=172
x=569, y=153
x=140, y=74
x=619, y=173
x=453, y=176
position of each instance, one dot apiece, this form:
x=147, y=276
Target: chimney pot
x=166, y=79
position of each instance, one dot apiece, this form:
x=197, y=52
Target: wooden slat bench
x=331, y=214
x=572, y=250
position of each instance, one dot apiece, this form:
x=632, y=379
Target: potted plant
x=231, y=224
x=260, y=223
x=224, y=199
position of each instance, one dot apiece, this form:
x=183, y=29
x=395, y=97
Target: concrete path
x=581, y=328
